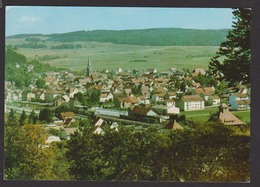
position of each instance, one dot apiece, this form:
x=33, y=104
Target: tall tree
x=45, y=115
x=232, y=62
x=32, y=117
x=22, y=118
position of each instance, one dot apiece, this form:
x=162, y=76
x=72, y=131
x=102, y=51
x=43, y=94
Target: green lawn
x=199, y=115
x=243, y=115
x=203, y=115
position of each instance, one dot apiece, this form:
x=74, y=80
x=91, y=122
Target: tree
x=40, y=83
x=29, y=159
x=32, y=117
x=235, y=51
x=45, y=115
x=22, y=118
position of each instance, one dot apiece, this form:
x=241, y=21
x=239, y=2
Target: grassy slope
x=107, y=55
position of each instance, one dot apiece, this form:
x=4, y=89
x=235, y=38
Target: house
x=145, y=113
x=60, y=99
x=28, y=95
x=106, y=96
x=227, y=118
x=51, y=94
x=170, y=102
x=239, y=101
x=192, y=102
x=172, y=95
x=215, y=100
x=98, y=122
x=145, y=91
x=158, y=97
x=98, y=131
x=165, y=111
x=151, y=71
x=127, y=102
x=198, y=71
x=143, y=100
x=29, y=67
x=114, y=126
x=67, y=118
x=52, y=139
x=70, y=131
x=173, y=125
x=205, y=92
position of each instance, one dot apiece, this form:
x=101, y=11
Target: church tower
x=89, y=69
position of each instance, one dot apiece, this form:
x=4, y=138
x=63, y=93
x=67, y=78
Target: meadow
x=112, y=56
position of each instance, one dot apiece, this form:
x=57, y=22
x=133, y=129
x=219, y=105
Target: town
x=137, y=98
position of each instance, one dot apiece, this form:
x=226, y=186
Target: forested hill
x=151, y=37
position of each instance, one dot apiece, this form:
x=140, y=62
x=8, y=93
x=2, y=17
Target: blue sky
x=47, y=20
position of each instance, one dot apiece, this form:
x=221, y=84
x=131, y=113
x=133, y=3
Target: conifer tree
x=232, y=61
x=22, y=118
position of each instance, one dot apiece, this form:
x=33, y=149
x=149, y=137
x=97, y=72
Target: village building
x=192, y=102
x=60, y=99
x=198, y=71
x=127, y=102
x=215, y=100
x=98, y=131
x=98, y=122
x=67, y=117
x=105, y=97
x=239, y=101
x=173, y=125
x=30, y=67
x=145, y=113
x=226, y=117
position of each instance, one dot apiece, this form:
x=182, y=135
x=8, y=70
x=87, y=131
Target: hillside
x=145, y=37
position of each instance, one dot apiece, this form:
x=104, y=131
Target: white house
x=98, y=122
x=99, y=131
x=106, y=97
x=192, y=102
x=215, y=100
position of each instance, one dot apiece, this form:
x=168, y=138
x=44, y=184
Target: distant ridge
x=147, y=37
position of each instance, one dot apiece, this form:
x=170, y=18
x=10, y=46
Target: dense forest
x=153, y=37
x=202, y=152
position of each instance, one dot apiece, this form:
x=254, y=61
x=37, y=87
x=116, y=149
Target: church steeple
x=89, y=68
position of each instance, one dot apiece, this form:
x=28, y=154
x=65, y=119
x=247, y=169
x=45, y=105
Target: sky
x=48, y=20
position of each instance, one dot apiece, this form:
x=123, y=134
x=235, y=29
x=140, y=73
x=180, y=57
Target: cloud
x=30, y=19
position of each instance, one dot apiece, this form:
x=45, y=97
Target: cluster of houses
x=146, y=94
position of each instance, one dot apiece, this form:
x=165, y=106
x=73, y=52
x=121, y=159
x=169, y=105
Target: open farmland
x=108, y=55
x=141, y=49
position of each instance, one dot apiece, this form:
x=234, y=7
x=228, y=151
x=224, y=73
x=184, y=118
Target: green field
x=111, y=56
x=203, y=115
x=243, y=115
x=199, y=115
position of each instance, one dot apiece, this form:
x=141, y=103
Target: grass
x=203, y=115
x=243, y=115
x=200, y=115
x=111, y=56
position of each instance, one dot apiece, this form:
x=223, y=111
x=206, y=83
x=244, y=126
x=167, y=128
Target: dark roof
x=173, y=125
x=68, y=121
x=141, y=110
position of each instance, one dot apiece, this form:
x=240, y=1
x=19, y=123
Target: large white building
x=192, y=102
